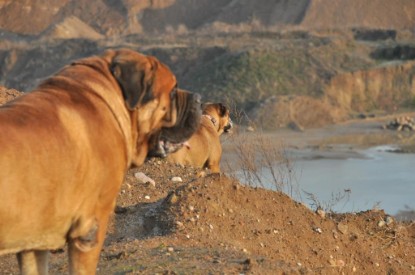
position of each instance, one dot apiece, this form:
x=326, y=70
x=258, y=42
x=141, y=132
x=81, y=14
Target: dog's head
x=219, y=114
x=151, y=95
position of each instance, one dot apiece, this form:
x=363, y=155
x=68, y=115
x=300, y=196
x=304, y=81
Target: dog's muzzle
x=228, y=127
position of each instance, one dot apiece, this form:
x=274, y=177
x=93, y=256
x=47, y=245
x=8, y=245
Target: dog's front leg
x=33, y=262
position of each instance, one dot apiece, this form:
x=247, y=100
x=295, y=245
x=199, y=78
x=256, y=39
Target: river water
x=381, y=178
x=372, y=178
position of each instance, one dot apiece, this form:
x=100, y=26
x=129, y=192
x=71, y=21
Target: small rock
x=381, y=223
x=170, y=249
x=201, y=174
x=142, y=178
x=389, y=220
x=377, y=264
x=147, y=197
x=340, y=263
x=191, y=208
x=173, y=198
x=176, y=179
x=318, y=230
x=343, y=228
x=321, y=213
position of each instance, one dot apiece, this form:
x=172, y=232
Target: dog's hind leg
x=84, y=249
x=33, y=262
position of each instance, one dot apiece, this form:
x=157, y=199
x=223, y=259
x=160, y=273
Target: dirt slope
x=123, y=17
x=393, y=14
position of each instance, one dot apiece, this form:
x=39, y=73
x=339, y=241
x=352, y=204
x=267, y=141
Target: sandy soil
x=215, y=225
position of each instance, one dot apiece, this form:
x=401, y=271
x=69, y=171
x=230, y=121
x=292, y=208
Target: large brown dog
x=66, y=146
x=203, y=149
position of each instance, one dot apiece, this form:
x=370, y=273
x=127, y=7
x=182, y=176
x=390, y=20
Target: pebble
x=343, y=228
x=381, y=223
x=321, y=213
x=173, y=198
x=176, y=179
x=340, y=263
x=170, y=249
x=143, y=178
x=147, y=197
x=389, y=220
x=318, y=230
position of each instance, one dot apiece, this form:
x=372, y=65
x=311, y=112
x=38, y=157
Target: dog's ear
x=223, y=110
x=135, y=80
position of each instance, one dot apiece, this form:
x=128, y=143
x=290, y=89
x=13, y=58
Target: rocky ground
x=216, y=225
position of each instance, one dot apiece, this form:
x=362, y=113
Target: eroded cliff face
x=388, y=87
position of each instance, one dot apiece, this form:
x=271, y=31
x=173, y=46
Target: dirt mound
x=215, y=224
x=29, y=17
x=124, y=17
x=72, y=27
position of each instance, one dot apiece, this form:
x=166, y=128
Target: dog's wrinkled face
x=150, y=91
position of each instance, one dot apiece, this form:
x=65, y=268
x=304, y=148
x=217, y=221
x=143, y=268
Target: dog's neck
x=116, y=105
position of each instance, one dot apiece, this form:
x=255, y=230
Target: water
x=375, y=178
x=383, y=178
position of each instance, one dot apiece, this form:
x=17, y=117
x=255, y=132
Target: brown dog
x=203, y=149
x=66, y=146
